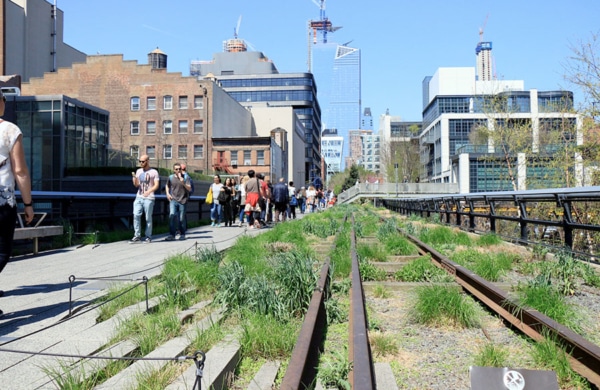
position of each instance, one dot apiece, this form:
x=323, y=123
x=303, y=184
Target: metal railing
x=571, y=214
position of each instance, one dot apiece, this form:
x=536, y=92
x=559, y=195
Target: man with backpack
x=178, y=192
x=281, y=198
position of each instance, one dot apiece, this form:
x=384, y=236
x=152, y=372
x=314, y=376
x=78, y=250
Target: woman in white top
x=13, y=169
x=291, y=211
x=216, y=211
x=311, y=198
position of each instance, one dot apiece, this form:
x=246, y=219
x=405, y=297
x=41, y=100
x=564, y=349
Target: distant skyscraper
x=366, y=122
x=483, y=50
x=343, y=112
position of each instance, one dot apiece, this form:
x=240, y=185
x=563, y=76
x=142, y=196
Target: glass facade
x=59, y=133
x=344, y=111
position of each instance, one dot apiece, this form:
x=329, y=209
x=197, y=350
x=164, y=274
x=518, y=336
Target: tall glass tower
x=344, y=110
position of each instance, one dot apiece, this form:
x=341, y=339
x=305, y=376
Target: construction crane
x=323, y=25
x=483, y=28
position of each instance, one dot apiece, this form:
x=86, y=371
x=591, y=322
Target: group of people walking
x=255, y=202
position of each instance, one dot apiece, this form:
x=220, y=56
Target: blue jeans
x=177, y=220
x=216, y=213
x=146, y=206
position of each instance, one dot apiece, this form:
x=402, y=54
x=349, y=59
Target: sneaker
x=147, y=240
x=213, y=223
x=135, y=239
x=218, y=225
x=182, y=237
x=170, y=238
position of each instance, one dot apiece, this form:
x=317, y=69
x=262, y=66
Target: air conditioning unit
x=233, y=162
x=247, y=162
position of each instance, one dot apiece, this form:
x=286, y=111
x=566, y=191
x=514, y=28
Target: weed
x=334, y=370
x=421, y=270
x=545, y=298
x=548, y=355
x=490, y=355
x=370, y=272
x=442, y=305
x=383, y=345
x=381, y=292
x=489, y=239
x=267, y=337
x=372, y=253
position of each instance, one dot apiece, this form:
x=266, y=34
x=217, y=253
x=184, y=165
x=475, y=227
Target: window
x=151, y=103
x=151, y=152
x=168, y=152
x=260, y=157
x=183, y=102
x=183, y=127
x=134, y=152
x=182, y=152
x=247, y=157
x=198, y=151
x=168, y=127
x=135, y=103
x=168, y=102
x=134, y=127
x=198, y=126
x=198, y=102
x=234, y=157
x=150, y=127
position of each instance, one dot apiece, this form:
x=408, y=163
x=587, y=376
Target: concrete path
x=37, y=290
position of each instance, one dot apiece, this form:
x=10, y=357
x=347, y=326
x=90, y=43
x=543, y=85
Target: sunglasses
x=178, y=169
x=142, y=161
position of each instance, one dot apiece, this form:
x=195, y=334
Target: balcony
x=222, y=165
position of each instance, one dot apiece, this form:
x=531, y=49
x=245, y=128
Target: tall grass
x=440, y=236
x=443, y=305
x=421, y=270
x=490, y=266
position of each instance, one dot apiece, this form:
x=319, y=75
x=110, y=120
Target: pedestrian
x=311, y=199
x=281, y=199
x=147, y=181
x=178, y=189
x=254, y=191
x=268, y=212
x=293, y=201
x=216, y=211
x=13, y=169
x=405, y=179
x=301, y=196
x=242, y=191
x=228, y=202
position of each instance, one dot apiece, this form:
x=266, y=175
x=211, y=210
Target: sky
x=401, y=42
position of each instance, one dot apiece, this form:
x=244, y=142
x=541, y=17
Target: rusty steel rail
x=302, y=370
x=362, y=375
x=584, y=356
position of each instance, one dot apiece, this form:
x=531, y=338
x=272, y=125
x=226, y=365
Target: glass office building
x=344, y=110
x=59, y=133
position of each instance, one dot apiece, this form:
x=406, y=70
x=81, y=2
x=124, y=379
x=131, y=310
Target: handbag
x=209, y=196
x=293, y=201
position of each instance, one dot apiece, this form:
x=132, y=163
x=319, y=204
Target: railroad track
x=584, y=356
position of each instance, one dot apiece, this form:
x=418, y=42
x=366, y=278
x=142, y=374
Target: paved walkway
x=37, y=287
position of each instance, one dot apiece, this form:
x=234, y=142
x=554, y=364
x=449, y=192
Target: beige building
x=165, y=115
x=32, y=39
x=283, y=124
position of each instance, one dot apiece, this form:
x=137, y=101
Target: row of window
x=167, y=102
x=198, y=153
x=182, y=151
x=167, y=126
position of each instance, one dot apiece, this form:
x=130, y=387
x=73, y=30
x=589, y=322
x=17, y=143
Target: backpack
x=191, y=184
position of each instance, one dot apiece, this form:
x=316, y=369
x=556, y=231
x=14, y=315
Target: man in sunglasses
x=147, y=181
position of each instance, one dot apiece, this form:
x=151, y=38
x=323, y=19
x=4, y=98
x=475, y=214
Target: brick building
x=164, y=115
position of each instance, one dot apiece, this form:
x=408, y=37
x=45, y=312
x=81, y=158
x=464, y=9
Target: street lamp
x=396, y=169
